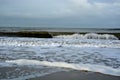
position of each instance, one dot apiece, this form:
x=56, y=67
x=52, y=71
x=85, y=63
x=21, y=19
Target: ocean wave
x=89, y=36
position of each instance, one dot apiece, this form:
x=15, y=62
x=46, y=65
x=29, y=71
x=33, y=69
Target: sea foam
x=55, y=42
x=89, y=36
x=97, y=55
x=88, y=67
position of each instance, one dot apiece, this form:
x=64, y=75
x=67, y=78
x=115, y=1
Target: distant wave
x=89, y=36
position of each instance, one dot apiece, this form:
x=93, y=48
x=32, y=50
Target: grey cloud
x=56, y=8
x=60, y=12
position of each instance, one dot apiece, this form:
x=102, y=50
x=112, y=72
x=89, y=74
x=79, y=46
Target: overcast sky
x=60, y=13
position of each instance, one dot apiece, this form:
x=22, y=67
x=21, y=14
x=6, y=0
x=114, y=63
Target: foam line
x=88, y=67
x=55, y=42
x=89, y=36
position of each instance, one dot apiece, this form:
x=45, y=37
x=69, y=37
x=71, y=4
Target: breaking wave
x=89, y=36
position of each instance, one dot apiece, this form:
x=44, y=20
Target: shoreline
x=76, y=75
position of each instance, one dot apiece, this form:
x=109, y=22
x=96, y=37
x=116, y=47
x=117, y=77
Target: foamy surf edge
x=87, y=67
x=89, y=36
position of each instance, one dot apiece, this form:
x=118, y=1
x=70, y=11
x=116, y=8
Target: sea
x=23, y=58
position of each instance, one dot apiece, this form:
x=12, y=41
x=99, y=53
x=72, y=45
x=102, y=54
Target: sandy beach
x=77, y=75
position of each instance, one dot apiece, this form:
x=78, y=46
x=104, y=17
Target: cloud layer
x=76, y=11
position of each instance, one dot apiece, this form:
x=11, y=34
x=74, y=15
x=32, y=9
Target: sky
x=60, y=13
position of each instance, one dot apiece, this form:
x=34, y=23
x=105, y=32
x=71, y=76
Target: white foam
x=89, y=67
x=55, y=42
x=89, y=36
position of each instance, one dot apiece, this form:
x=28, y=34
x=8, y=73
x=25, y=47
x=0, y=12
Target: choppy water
x=24, y=58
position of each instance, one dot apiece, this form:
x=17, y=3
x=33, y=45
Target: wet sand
x=76, y=75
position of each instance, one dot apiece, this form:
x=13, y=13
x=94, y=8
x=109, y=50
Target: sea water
x=24, y=58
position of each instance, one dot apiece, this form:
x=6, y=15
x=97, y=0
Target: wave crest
x=90, y=36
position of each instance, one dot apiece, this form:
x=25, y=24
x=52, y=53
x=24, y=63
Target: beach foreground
x=76, y=75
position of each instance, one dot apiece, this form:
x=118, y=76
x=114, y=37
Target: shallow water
x=31, y=57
